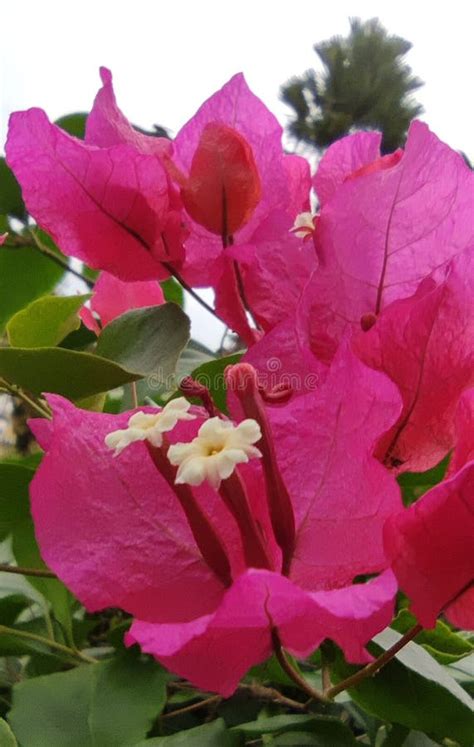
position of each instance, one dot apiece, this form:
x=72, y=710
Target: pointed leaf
x=71, y=373
x=146, y=341
x=414, y=690
x=45, y=322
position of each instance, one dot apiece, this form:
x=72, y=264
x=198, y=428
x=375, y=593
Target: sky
x=168, y=56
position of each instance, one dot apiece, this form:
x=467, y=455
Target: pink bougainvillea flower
x=257, y=191
x=112, y=207
x=425, y=344
x=386, y=228
x=464, y=425
x=113, y=297
x=343, y=158
x=213, y=572
x=430, y=544
x=106, y=125
x=430, y=547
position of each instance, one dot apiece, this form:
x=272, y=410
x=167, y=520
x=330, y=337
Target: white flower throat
x=212, y=455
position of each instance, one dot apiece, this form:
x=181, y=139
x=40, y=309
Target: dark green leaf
x=14, y=483
x=172, y=291
x=415, y=484
x=68, y=372
x=45, y=322
x=128, y=695
x=16, y=520
x=147, y=341
x=7, y=738
x=441, y=642
x=11, y=606
x=25, y=274
x=330, y=730
x=11, y=201
x=52, y=711
x=303, y=739
x=74, y=124
x=413, y=690
x=208, y=735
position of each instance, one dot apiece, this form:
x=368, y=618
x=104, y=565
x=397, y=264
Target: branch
x=39, y=572
x=5, y=630
x=371, y=669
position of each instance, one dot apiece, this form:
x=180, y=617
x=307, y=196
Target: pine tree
x=365, y=84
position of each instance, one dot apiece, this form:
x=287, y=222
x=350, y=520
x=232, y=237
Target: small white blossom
x=214, y=453
x=303, y=225
x=144, y=426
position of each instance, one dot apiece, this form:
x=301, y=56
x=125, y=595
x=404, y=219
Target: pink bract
x=110, y=207
x=285, y=184
x=113, y=297
x=106, y=125
x=430, y=548
x=425, y=344
x=380, y=234
x=146, y=556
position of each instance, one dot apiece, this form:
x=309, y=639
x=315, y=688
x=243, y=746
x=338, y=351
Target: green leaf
x=212, y=376
x=11, y=201
x=172, y=291
x=53, y=710
x=14, y=483
x=73, y=374
x=463, y=672
x=11, y=606
x=147, y=341
x=303, y=739
x=7, y=738
x=129, y=693
x=330, y=730
x=46, y=321
x=413, y=690
x=441, y=642
x=74, y=124
x=16, y=520
x=25, y=275
x=208, y=735
x=415, y=484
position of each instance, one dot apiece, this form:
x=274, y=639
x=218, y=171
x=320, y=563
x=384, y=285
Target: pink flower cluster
x=374, y=297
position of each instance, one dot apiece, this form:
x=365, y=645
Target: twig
x=193, y=707
x=287, y=667
x=39, y=572
x=5, y=630
x=172, y=271
x=371, y=669
x=16, y=391
x=275, y=696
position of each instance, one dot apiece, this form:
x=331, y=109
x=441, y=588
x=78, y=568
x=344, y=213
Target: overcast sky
x=167, y=56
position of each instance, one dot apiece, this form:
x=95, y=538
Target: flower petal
x=215, y=651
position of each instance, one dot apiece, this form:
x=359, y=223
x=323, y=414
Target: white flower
x=144, y=426
x=303, y=225
x=215, y=452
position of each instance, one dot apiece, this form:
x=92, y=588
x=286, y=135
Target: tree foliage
x=365, y=84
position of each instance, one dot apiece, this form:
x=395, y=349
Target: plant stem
x=133, y=389
x=371, y=669
x=15, y=390
x=5, y=630
x=293, y=674
x=193, y=706
x=172, y=271
x=39, y=572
